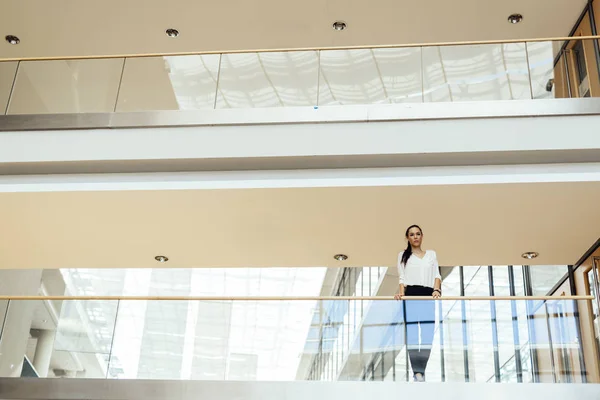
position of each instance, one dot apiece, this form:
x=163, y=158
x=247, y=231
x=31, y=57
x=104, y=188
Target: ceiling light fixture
x=340, y=257
x=172, y=33
x=161, y=259
x=515, y=18
x=339, y=25
x=12, y=39
x=530, y=255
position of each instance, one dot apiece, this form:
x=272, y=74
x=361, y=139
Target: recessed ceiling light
x=530, y=255
x=12, y=39
x=340, y=257
x=161, y=259
x=515, y=18
x=172, y=33
x=339, y=25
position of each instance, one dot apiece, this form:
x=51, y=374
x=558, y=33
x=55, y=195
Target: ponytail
x=406, y=255
x=408, y=252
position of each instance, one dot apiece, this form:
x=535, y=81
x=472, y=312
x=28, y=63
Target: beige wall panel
x=76, y=86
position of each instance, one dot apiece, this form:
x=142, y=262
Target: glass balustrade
x=431, y=74
x=350, y=339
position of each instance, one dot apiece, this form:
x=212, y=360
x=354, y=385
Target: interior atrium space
x=267, y=199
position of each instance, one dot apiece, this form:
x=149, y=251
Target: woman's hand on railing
x=436, y=294
x=398, y=296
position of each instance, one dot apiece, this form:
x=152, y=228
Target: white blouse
x=419, y=271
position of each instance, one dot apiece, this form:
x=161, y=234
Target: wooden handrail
x=381, y=46
x=279, y=298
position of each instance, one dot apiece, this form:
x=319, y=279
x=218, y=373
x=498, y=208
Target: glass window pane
x=545, y=277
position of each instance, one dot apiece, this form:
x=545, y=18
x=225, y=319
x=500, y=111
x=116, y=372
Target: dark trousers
x=420, y=325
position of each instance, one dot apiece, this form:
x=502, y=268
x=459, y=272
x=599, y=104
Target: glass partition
x=286, y=340
x=457, y=73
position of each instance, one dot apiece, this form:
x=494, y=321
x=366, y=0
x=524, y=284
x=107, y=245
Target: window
x=579, y=56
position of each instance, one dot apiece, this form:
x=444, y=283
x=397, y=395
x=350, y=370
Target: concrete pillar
x=43, y=352
x=17, y=318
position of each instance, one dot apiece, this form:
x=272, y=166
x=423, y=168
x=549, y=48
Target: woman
x=419, y=276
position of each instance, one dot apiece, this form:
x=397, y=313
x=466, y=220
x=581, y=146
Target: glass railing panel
x=85, y=326
x=204, y=340
x=370, y=76
x=587, y=81
x=453, y=341
x=72, y=364
x=72, y=86
x=8, y=69
x=3, y=311
x=480, y=346
x=287, y=340
x=541, y=69
x=476, y=73
x=576, y=69
x=286, y=79
x=509, y=346
x=485, y=72
x=19, y=337
x=169, y=83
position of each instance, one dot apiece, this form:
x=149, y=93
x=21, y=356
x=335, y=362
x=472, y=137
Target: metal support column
x=515, y=325
x=573, y=287
x=494, y=322
x=465, y=332
x=531, y=325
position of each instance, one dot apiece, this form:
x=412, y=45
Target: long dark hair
x=408, y=251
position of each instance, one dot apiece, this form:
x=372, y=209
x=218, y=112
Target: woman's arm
x=400, y=278
x=437, y=283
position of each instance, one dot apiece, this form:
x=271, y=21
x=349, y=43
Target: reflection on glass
x=169, y=83
x=476, y=341
x=370, y=76
x=310, y=340
x=73, y=86
x=86, y=326
x=594, y=285
x=541, y=69
x=8, y=69
x=480, y=328
x=287, y=79
x=476, y=73
x=511, y=71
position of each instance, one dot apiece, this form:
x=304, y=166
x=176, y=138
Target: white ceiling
x=75, y=28
x=465, y=224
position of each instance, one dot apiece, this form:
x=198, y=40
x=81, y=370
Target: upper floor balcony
x=436, y=73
